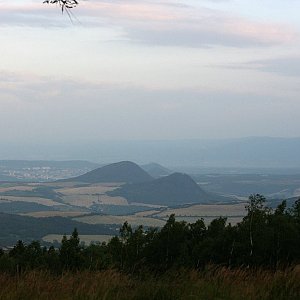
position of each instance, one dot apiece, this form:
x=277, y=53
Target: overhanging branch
x=64, y=4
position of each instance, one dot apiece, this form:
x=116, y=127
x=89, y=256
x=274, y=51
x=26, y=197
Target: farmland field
x=87, y=190
x=89, y=200
x=77, y=202
x=16, y=188
x=44, y=201
x=147, y=213
x=47, y=214
x=206, y=210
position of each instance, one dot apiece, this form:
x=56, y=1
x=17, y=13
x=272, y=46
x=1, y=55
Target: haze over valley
x=106, y=196
x=251, y=154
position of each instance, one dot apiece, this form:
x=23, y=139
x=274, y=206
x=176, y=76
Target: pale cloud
x=55, y=108
x=283, y=66
x=30, y=15
x=286, y=66
x=157, y=23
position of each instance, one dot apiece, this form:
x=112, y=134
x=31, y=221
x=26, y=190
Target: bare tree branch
x=65, y=5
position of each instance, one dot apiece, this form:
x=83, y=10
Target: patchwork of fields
x=89, y=204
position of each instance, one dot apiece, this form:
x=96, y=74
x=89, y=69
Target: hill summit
x=124, y=171
x=175, y=189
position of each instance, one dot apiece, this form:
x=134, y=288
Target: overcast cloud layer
x=147, y=69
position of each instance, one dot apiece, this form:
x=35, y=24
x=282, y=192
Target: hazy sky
x=147, y=69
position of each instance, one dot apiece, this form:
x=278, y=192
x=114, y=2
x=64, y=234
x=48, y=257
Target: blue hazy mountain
x=124, y=171
x=172, y=190
x=156, y=170
x=76, y=164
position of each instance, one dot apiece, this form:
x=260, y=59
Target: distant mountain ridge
x=124, y=171
x=156, y=170
x=175, y=189
x=48, y=163
x=247, y=152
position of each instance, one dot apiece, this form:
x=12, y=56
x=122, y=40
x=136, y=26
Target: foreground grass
x=211, y=284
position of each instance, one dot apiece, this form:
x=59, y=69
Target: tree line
x=265, y=238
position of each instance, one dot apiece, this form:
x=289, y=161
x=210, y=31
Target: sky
x=150, y=70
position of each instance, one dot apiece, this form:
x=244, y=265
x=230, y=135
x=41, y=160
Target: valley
x=108, y=196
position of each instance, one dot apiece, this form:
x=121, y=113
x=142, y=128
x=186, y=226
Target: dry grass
x=207, y=210
x=214, y=284
x=41, y=285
